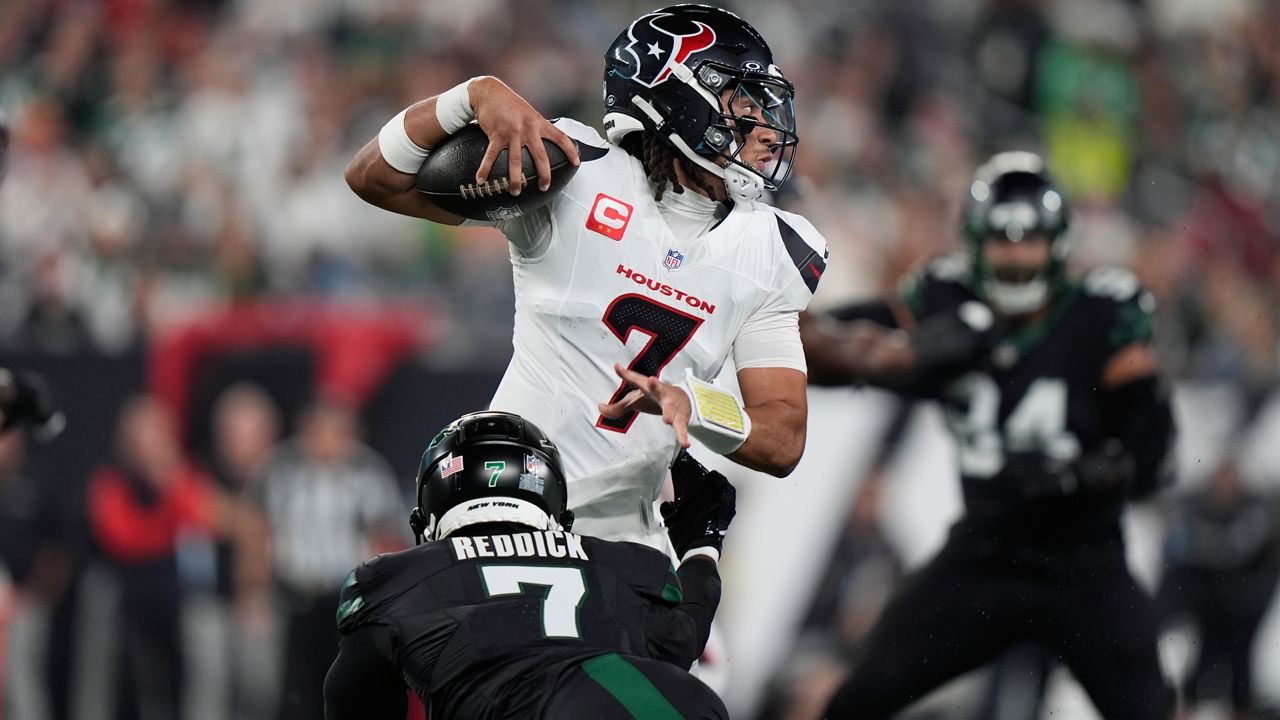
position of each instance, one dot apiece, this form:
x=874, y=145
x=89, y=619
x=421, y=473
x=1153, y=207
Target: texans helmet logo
x=659, y=41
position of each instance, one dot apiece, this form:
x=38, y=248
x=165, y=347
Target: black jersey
x=1033, y=389
x=488, y=625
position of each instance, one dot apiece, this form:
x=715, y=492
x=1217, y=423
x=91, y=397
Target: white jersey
x=600, y=279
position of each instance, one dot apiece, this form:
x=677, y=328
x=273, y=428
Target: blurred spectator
x=34, y=570
x=246, y=428
x=861, y=573
x=1222, y=558
x=1008, y=43
x=137, y=509
x=327, y=501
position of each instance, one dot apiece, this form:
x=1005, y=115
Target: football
x=448, y=178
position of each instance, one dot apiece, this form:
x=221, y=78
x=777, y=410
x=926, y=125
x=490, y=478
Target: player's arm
x=857, y=345
x=705, y=502
x=853, y=343
x=1137, y=412
x=363, y=683
x=775, y=400
x=765, y=430
x=382, y=173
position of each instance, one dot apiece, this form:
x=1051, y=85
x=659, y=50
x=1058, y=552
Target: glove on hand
x=1104, y=471
x=704, y=506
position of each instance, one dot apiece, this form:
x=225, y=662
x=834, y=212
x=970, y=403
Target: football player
x=1051, y=389
x=654, y=266
x=504, y=613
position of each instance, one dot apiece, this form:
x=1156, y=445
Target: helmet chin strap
x=741, y=184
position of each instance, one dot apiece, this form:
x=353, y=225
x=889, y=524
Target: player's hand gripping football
x=511, y=123
x=704, y=506
x=653, y=396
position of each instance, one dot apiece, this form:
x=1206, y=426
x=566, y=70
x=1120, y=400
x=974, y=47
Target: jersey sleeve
x=368, y=589
x=802, y=262
x=679, y=634
x=364, y=683
x=1129, y=305
x=646, y=571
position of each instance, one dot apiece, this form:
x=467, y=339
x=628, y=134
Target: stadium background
x=174, y=218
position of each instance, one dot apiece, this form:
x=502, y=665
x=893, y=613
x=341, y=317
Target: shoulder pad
x=940, y=282
x=590, y=145
x=1132, y=305
x=806, y=249
x=1112, y=283
x=351, y=602
x=373, y=582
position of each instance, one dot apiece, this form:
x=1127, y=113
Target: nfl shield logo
x=673, y=260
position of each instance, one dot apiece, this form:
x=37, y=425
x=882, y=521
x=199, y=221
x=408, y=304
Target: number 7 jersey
x=601, y=279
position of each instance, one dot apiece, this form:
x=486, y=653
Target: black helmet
x=667, y=73
x=489, y=467
x=1013, y=197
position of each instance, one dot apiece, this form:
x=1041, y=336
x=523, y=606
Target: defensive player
x=1051, y=389
x=504, y=613
x=654, y=265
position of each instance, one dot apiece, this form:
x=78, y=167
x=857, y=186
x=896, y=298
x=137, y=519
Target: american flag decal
x=450, y=465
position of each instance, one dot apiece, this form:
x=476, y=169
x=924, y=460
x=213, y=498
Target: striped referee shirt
x=324, y=516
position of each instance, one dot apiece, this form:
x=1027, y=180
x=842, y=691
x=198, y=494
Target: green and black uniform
x=1038, y=555
x=502, y=621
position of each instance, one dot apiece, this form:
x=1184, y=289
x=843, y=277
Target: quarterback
x=655, y=265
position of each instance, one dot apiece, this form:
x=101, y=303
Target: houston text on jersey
x=692, y=301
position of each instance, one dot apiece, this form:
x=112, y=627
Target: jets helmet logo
x=660, y=41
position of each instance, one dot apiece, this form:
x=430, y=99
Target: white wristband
x=453, y=107
x=702, y=550
x=718, y=419
x=397, y=149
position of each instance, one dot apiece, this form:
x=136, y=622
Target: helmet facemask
x=1012, y=200
x=755, y=103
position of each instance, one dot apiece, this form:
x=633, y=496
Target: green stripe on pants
x=630, y=687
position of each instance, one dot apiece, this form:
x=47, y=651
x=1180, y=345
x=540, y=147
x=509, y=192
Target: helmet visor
x=760, y=115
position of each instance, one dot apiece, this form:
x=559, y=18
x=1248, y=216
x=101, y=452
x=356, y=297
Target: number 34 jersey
x=601, y=279
x=1036, y=389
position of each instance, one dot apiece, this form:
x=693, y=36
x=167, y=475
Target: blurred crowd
x=174, y=158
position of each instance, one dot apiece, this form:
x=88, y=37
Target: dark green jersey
x=487, y=625
x=1033, y=388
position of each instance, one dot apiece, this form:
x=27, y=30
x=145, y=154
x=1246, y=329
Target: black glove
x=704, y=506
x=26, y=399
x=1107, y=470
